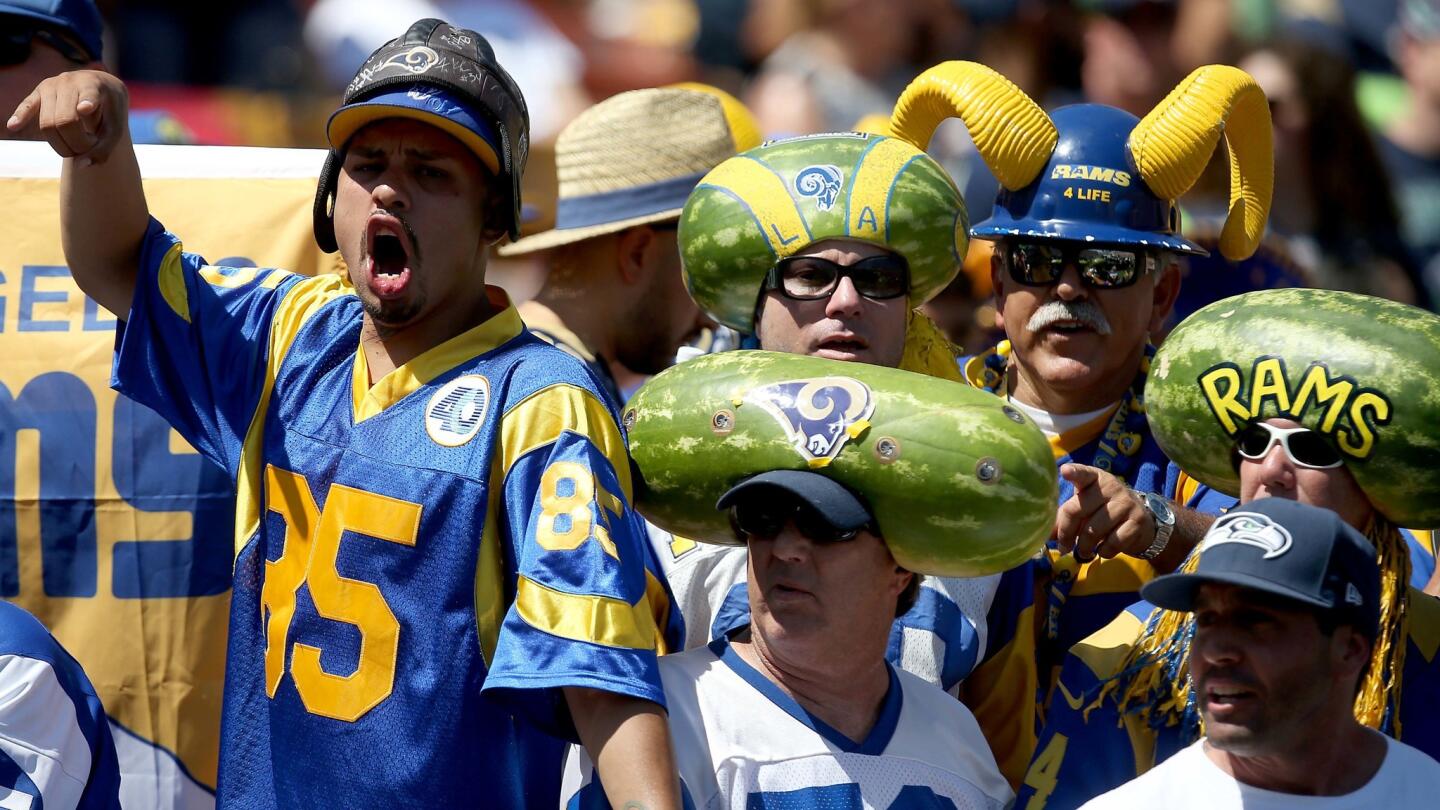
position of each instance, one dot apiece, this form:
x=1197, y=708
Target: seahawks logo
x=818, y=415
x=821, y=182
x=1251, y=529
x=457, y=410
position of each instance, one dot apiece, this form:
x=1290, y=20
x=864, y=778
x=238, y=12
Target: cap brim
x=830, y=499
x=995, y=228
x=555, y=237
x=461, y=125
x=1178, y=591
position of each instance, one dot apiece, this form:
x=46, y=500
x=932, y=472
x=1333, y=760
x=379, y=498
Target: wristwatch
x=1159, y=508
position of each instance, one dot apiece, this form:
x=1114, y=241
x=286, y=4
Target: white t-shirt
x=1406, y=779
x=740, y=741
x=941, y=639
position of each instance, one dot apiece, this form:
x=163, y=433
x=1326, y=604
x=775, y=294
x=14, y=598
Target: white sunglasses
x=1303, y=446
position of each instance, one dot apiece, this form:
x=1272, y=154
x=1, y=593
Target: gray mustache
x=1086, y=312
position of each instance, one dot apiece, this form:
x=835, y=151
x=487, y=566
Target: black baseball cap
x=1288, y=549
x=831, y=500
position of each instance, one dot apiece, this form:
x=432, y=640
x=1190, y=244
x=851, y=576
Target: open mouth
x=389, y=250
x=844, y=344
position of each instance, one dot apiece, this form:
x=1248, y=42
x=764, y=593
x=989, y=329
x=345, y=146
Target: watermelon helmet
x=444, y=76
x=1097, y=174
x=772, y=201
x=1356, y=369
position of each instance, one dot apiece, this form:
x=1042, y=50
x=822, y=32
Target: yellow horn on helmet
x=1172, y=144
x=1013, y=135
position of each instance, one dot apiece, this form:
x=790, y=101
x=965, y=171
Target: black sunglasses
x=808, y=278
x=1040, y=264
x=15, y=42
x=1305, y=447
x=765, y=518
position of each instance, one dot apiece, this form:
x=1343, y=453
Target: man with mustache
x=437, y=567
x=1123, y=702
x=1085, y=268
x=1286, y=606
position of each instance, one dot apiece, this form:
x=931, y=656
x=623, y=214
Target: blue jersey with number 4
x=461, y=526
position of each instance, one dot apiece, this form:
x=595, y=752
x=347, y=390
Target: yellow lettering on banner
x=1317, y=383
x=1044, y=774
x=312, y=546
x=1224, y=404
x=1269, y=376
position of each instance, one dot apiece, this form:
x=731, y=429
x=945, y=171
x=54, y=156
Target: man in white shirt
x=800, y=708
x=1286, y=598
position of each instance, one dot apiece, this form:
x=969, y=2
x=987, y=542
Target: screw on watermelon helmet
x=1097, y=174
x=444, y=76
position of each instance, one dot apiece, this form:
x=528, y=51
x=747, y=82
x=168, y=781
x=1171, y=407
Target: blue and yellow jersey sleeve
x=588, y=608
x=1086, y=748
x=195, y=343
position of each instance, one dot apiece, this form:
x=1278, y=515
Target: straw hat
x=633, y=158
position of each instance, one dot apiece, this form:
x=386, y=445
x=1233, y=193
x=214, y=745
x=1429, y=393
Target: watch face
x=1163, y=512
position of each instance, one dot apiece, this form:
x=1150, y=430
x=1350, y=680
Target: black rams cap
x=447, y=77
x=828, y=498
x=1292, y=550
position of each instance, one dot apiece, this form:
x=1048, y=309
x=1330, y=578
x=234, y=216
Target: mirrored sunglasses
x=1303, y=446
x=1041, y=264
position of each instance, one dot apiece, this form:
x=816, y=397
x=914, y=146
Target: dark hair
x=1355, y=209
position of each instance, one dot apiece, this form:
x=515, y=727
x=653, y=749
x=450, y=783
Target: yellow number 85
x=312, y=543
x=567, y=491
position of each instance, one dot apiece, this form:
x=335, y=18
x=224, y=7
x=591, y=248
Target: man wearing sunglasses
x=1123, y=702
x=799, y=707
x=768, y=251
x=42, y=38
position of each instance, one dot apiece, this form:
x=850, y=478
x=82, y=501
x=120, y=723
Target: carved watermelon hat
x=1357, y=369
x=771, y=202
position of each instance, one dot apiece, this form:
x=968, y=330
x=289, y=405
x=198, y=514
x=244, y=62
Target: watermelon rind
x=961, y=484
x=1378, y=400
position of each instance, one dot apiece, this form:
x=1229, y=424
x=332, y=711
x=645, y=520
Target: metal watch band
x=1163, y=529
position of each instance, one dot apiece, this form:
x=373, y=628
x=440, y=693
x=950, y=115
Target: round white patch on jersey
x=456, y=412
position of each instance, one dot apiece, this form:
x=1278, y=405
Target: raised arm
x=103, y=217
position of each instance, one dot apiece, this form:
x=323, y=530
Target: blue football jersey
x=421, y=563
x=56, y=749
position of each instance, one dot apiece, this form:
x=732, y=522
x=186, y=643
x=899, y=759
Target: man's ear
x=1166, y=291
x=1351, y=651
x=631, y=248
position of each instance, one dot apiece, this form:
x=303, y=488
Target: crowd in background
x=1354, y=90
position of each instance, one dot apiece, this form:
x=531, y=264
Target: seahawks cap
x=1288, y=549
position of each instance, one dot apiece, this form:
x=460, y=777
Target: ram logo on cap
x=1251, y=529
